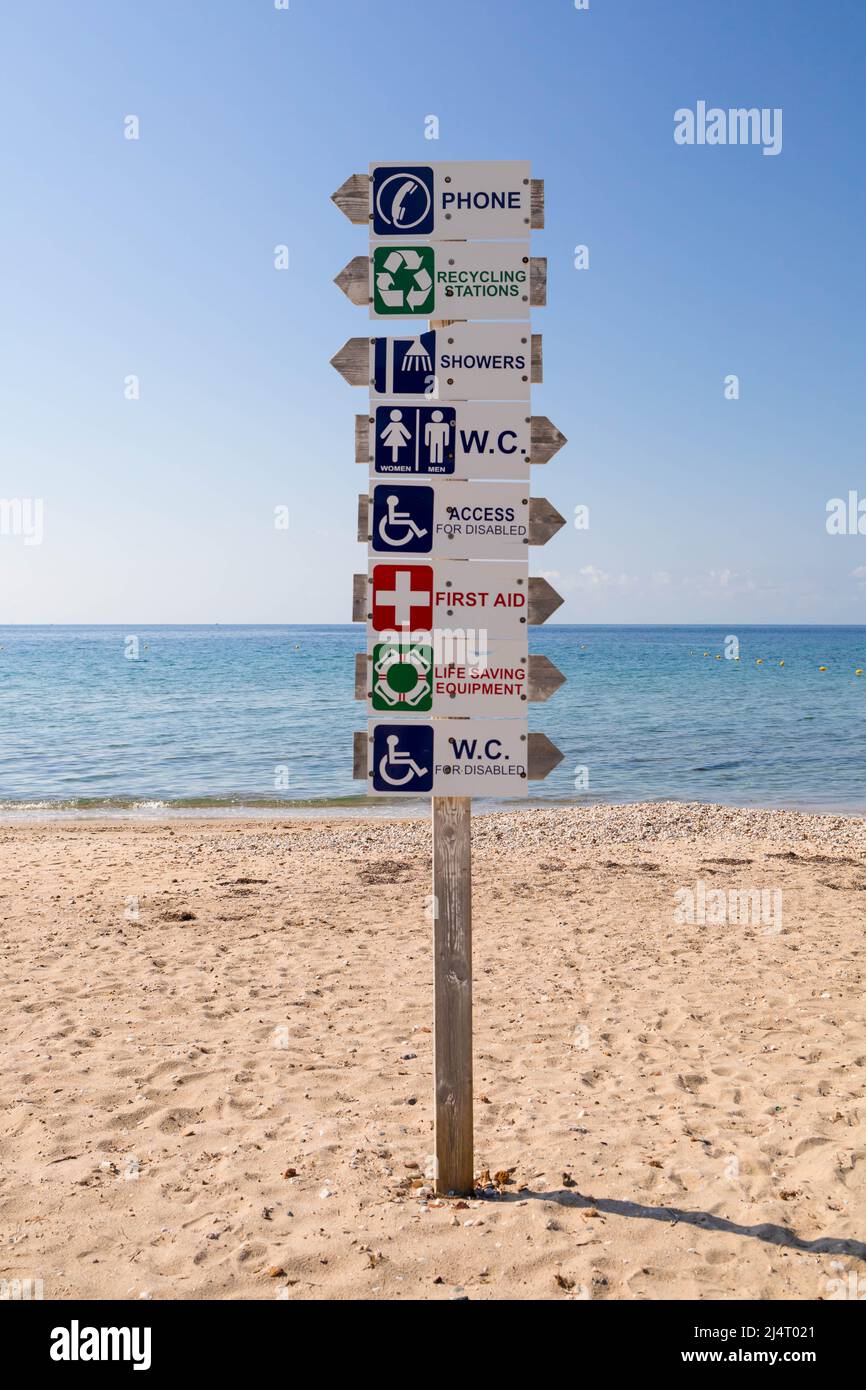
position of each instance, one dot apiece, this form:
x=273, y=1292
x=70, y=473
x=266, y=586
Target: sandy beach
x=216, y=1047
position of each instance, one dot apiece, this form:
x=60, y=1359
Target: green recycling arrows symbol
x=403, y=280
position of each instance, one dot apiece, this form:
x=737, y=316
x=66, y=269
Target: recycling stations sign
x=481, y=280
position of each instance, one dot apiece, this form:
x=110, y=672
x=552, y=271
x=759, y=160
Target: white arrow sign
x=463, y=199
x=466, y=440
x=433, y=677
x=459, y=280
x=467, y=597
x=414, y=678
x=466, y=361
x=457, y=521
x=463, y=521
x=448, y=758
x=450, y=441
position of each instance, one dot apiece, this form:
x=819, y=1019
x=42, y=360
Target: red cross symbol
x=402, y=597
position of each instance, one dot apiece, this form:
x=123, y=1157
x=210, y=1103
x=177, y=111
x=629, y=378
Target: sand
x=216, y=1048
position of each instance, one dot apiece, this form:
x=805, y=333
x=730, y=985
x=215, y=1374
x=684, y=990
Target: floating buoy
x=759, y=661
x=718, y=658
x=822, y=668
x=706, y=653
x=858, y=672
x=781, y=663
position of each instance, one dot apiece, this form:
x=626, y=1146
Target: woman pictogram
x=395, y=436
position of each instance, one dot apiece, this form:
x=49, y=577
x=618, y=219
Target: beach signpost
x=449, y=441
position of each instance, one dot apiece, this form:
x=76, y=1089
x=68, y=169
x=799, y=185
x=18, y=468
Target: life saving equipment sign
x=464, y=677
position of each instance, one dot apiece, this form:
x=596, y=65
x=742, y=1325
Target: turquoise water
x=208, y=717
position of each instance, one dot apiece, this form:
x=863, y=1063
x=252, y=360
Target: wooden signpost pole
x=452, y=986
x=452, y=993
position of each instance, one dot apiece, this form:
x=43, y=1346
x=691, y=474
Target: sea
x=258, y=721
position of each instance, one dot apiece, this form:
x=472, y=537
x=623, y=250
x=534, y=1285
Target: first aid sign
x=463, y=200
x=413, y=599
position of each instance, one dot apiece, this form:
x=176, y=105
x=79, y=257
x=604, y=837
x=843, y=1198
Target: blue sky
x=155, y=258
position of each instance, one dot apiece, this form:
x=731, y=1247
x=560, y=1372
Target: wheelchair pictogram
x=402, y=757
x=402, y=518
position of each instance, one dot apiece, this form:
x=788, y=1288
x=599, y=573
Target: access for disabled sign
x=459, y=520
x=458, y=280
x=448, y=757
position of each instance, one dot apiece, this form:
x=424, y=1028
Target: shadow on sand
x=704, y=1220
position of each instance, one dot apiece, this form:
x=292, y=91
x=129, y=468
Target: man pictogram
x=437, y=433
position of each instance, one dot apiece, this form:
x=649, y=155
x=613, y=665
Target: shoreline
x=377, y=810
x=655, y=813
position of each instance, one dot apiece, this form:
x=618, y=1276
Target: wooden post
x=452, y=993
x=452, y=985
